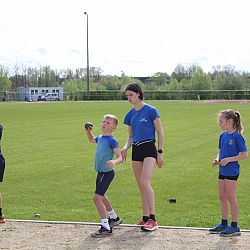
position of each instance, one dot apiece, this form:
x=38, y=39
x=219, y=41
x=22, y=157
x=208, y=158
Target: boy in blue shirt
x=106, y=147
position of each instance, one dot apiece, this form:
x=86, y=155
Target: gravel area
x=50, y=235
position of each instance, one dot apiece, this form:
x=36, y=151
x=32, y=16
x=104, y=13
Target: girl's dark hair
x=235, y=116
x=135, y=88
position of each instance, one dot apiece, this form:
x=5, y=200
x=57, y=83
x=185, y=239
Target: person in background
x=232, y=149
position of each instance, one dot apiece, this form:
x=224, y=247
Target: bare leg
x=137, y=168
x=231, y=197
x=223, y=199
x=146, y=177
x=107, y=203
x=2, y=220
x=1, y=202
x=100, y=206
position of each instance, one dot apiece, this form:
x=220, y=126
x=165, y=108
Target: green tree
x=179, y=73
x=47, y=77
x=245, y=78
x=150, y=86
x=184, y=84
x=159, y=79
x=124, y=80
x=227, y=78
x=110, y=82
x=70, y=86
x=5, y=83
x=229, y=82
x=173, y=85
x=200, y=80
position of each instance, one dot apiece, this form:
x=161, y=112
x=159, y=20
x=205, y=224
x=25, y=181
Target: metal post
x=87, y=55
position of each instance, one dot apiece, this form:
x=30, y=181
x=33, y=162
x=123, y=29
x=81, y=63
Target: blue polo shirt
x=142, y=123
x=104, y=152
x=231, y=145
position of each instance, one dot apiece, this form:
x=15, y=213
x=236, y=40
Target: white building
x=36, y=93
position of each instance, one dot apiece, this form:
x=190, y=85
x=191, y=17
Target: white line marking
x=123, y=225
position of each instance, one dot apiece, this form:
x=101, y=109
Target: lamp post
x=87, y=55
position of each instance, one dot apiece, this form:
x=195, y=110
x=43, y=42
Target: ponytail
x=237, y=123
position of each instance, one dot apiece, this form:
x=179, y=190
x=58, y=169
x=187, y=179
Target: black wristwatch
x=160, y=151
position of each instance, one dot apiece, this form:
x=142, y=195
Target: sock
x=234, y=224
x=152, y=217
x=1, y=211
x=105, y=224
x=112, y=214
x=224, y=222
x=145, y=218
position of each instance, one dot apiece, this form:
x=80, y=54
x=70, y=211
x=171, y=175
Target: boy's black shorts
x=103, y=181
x=233, y=178
x=142, y=150
x=2, y=166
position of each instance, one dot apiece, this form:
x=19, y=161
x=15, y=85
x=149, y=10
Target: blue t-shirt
x=104, y=151
x=142, y=123
x=231, y=145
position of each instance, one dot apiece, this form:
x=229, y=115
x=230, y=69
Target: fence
x=149, y=95
x=164, y=95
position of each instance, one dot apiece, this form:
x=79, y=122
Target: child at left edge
x=2, y=166
x=106, y=147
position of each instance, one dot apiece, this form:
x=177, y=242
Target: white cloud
x=134, y=36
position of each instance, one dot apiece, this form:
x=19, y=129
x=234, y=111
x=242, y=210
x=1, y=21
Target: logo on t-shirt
x=143, y=120
x=231, y=142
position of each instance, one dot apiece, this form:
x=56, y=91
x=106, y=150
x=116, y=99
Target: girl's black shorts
x=233, y=178
x=142, y=150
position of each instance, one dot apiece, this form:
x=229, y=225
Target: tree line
x=182, y=78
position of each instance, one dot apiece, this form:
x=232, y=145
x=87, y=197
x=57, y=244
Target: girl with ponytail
x=232, y=149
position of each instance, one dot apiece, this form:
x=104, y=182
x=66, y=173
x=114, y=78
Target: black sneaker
x=102, y=232
x=114, y=222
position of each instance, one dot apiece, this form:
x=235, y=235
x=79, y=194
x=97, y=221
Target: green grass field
x=50, y=163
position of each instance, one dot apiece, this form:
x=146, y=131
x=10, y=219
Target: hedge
x=106, y=95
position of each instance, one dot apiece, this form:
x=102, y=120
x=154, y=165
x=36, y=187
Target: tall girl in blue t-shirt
x=143, y=120
x=232, y=148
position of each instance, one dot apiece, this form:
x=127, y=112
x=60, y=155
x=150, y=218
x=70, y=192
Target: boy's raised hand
x=88, y=126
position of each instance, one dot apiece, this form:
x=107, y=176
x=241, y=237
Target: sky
x=135, y=37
